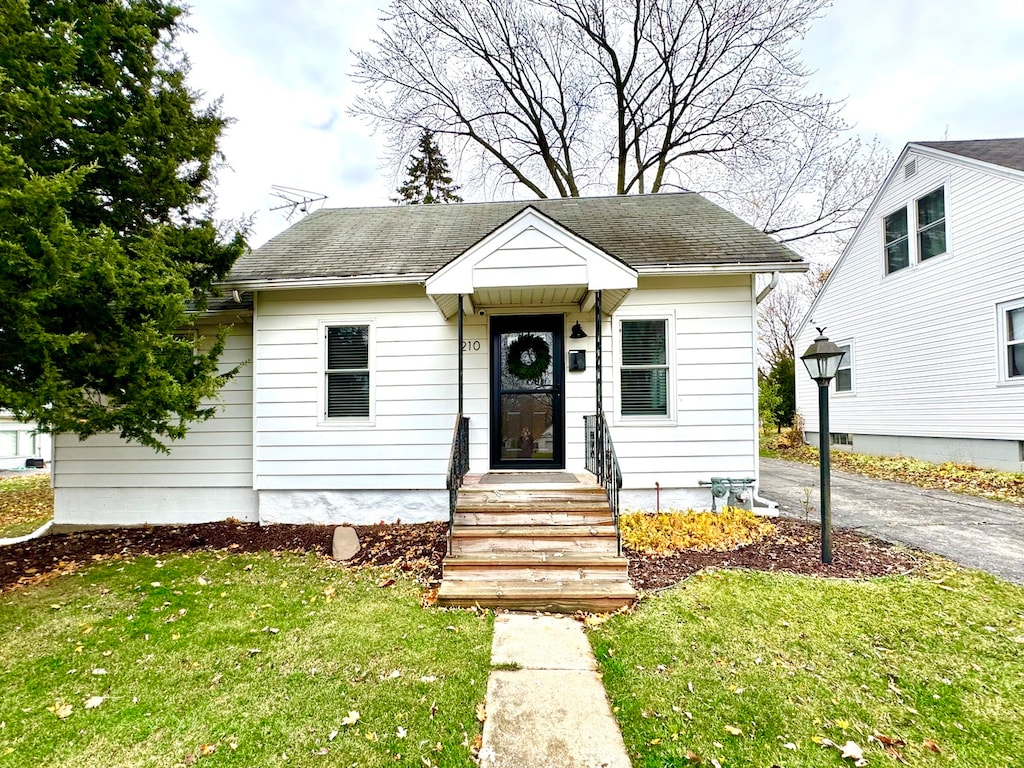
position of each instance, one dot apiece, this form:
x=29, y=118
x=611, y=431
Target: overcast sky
x=911, y=70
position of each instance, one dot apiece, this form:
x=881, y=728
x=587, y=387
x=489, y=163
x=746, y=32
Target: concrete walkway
x=976, y=532
x=551, y=709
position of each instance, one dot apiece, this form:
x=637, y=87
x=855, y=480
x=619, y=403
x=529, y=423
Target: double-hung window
x=929, y=214
x=897, y=242
x=931, y=224
x=347, y=372
x=1011, y=337
x=643, y=375
x=844, y=375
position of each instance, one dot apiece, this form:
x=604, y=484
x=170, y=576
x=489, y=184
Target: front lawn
x=743, y=668
x=216, y=658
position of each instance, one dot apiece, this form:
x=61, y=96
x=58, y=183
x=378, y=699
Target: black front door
x=527, y=381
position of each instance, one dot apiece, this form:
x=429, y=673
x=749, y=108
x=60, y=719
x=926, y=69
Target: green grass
x=261, y=656
x=793, y=661
x=26, y=502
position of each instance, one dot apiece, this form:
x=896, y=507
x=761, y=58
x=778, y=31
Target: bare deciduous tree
x=564, y=97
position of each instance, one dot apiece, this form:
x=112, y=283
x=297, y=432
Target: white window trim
x=670, y=341
x=1003, y=342
x=909, y=204
x=853, y=371
x=344, y=422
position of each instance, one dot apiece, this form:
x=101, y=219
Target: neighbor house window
x=929, y=214
x=644, y=371
x=1012, y=337
x=931, y=224
x=844, y=376
x=347, y=390
x=897, y=243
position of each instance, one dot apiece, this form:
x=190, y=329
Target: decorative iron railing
x=604, y=464
x=458, y=466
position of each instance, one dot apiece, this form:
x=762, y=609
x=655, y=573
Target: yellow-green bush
x=667, y=532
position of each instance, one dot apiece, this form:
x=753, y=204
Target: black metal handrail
x=604, y=464
x=458, y=466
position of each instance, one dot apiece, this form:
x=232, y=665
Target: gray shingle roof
x=1008, y=153
x=644, y=231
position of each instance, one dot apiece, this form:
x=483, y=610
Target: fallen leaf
x=332, y=736
x=385, y=583
x=929, y=744
x=93, y=701
x=852, y=750
x=401, y=732
x=61, y=709
x=693, y=757
x=733, y=730
x=428, y=679
x=481, y=711
x=351, y=718
x=99, y=671
x=207, y=749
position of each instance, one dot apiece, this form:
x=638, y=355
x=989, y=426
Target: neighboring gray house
x=345, y=407
x=928, y=301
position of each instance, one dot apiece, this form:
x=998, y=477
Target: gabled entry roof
x=649, y=233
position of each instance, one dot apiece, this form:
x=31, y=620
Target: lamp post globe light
x=822, y=360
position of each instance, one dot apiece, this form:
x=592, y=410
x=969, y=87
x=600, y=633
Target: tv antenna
x=296, y=200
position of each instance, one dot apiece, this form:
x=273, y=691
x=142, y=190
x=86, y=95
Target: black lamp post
x=822, y=360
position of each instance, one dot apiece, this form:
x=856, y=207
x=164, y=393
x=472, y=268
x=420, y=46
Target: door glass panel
x=526, y=426
x=526, y=397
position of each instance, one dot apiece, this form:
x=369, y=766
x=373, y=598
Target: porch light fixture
x=822, y=360
x=577, y=332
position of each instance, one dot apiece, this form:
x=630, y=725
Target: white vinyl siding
x=207, y=475
x=927, y=353
x=712, y=393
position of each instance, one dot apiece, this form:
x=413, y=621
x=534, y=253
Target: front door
x=527, y=382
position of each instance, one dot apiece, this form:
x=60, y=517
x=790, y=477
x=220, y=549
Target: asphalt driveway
x=975, y=532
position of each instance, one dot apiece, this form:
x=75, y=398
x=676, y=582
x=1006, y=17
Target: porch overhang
x=530, y=260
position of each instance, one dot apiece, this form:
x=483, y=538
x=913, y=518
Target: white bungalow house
x=927, y=300
x=356, y=363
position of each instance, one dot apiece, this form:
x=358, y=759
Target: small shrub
x=794, y=437
x=664, y=533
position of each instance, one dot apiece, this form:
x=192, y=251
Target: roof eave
x=282, y=283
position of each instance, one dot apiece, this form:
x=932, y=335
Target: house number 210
x=471, y=346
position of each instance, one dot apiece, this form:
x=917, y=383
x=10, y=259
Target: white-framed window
x=928, y=212
x=645, y=364
x=347, y=372
x=844, y=374
x=1010, y=319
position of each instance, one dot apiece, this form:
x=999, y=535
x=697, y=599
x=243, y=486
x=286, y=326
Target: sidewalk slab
x=552, y=711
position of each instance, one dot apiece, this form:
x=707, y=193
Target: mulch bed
x=420, y=549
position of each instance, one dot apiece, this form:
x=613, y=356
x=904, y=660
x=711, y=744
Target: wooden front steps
x=535, y=547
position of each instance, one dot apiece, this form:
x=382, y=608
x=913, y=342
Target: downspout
x=768, y=288
x=598, y=368
x=755, y=499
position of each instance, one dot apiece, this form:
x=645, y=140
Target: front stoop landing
x=535, y=548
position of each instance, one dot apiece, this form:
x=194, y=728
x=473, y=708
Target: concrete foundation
x=1004, y=455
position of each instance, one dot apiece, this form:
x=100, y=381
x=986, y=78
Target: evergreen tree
x=107, y=240
x=429, y=179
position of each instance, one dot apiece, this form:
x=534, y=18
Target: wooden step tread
x=568, y=597
x=568, y=559
x=530, y=505
x=533, y=531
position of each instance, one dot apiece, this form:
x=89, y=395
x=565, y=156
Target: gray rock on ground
x=346, y=543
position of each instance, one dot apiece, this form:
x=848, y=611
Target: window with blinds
x=348, y=372
x=643, y=376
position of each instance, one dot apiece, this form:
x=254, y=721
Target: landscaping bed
x=419, y=549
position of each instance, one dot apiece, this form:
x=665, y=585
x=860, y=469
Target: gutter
x=726, y=269
x=768, y=288
x=269, y=284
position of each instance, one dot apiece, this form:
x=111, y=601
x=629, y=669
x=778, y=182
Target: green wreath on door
x=528, y=357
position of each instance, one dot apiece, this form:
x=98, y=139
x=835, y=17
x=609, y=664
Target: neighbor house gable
x=979, y=156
